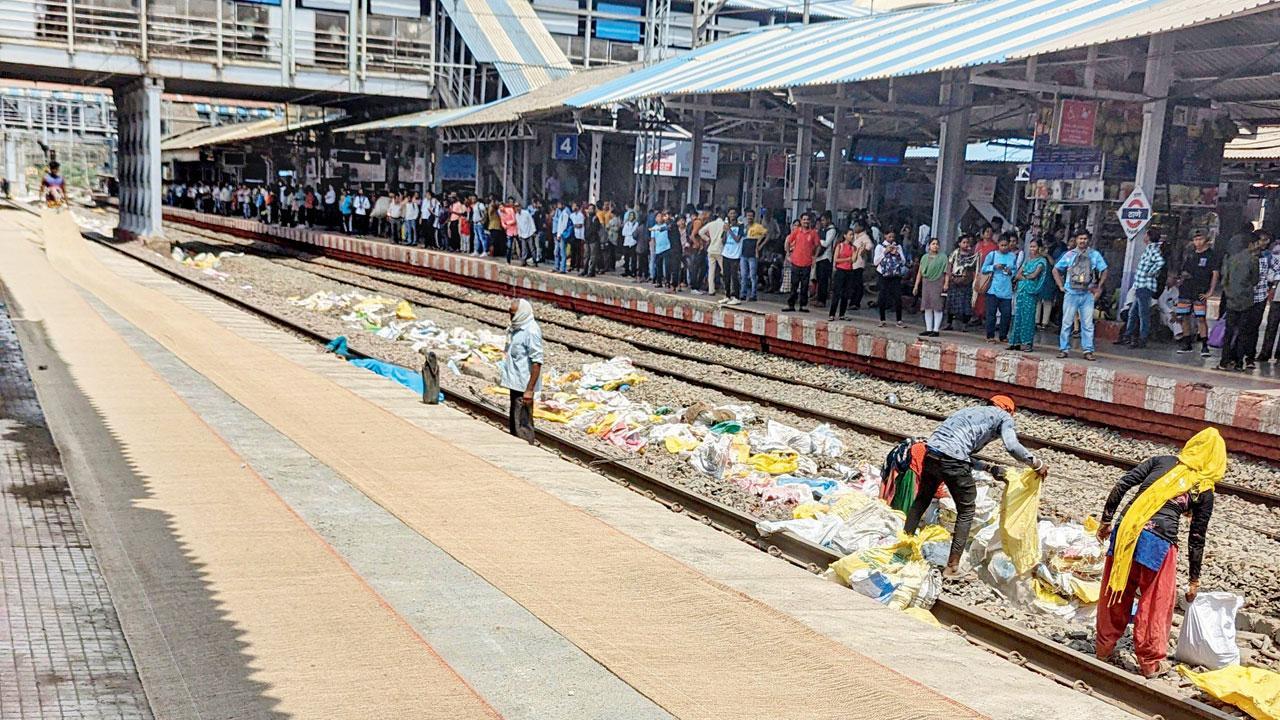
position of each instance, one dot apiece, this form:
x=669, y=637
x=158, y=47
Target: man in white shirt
x=579, y=221
x=712, y=233
x=478, y=230
x=411, y=210
x=360, y=205
x=822, y=261
x=527, y=231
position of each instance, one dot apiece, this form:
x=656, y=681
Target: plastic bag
x=1254, y=690
x=712, y=457
x=1208, y=634
x=822, y=441
x=1019, y=508
x=1218, y=332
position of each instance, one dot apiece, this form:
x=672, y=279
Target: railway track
x=313, y=265
x=1057, y=662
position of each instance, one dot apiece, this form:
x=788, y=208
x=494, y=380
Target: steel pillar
x=835, y=163
x=800, y=198
x=597, y=165
x=695, y=159
x=955, y=97
x=138, y=157
x=1155, y=84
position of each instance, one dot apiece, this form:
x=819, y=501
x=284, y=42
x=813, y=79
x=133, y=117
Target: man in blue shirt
x=1000, y=266
x=1080, y=273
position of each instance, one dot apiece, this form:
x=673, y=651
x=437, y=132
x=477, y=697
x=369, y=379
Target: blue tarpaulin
x=411, y=379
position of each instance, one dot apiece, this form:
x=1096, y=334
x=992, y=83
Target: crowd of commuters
x=1008, y=284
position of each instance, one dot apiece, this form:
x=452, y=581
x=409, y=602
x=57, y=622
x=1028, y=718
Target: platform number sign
x=1134, y=213
x=566, y=147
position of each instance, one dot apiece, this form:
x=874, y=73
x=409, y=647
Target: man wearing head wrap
x=522, y=368
x=949, y=460
x=1143, y=554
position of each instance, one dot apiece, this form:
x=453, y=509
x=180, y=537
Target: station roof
x=908, y=42
x=238, y=132
x=510, y=109
x=835, y=9
x=1264, y=145
x=509, y=35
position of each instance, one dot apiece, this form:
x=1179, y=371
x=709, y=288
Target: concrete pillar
x=955, y=97
x=597, y=161
x=17, y=184
x=1155, y=84
x=801, y=200
x=835, y=163
x=695, y=159
x=138, y=163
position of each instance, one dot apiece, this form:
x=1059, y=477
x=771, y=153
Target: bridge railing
x=213, y=31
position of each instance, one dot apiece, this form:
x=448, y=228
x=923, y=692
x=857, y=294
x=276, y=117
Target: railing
x=397, y=54
x=217, y=34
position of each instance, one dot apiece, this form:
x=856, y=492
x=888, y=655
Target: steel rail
x=1243, y=492
x=1059, y=663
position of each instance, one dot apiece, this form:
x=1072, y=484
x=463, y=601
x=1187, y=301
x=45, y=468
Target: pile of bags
x=206, y=261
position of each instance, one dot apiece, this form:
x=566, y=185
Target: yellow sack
x=404, y=311
x=1019, y=513
x=628, y=379
x=675, y=444
x=887, y=559
x=602, y=424
x=775, y=463
x=1254, y=690
x=923, y=616
x=1047, y=595
x=542, y=413
x=1087, y=591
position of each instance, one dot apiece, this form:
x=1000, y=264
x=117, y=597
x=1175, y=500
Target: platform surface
x=454, y=549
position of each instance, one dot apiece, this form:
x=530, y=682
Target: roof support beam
x=1055, y=89
x=1156, y=81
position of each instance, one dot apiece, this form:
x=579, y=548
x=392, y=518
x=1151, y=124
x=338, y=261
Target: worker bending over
x=1142, y=556
x=949, y=460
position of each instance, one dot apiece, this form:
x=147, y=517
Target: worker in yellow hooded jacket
x=1143, y=551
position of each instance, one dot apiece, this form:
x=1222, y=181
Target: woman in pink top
x=842, y=280
x=507, y=215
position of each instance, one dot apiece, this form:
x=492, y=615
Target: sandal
x=1089, y=356
x=1064, y=354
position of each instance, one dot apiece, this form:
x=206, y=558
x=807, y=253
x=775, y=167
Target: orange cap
x=1004, y=402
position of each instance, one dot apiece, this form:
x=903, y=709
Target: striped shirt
x=1149, y=266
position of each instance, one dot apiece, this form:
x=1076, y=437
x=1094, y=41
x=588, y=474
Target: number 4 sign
x=566, y=147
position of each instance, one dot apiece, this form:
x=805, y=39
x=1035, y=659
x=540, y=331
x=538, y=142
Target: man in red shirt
x=801, y=245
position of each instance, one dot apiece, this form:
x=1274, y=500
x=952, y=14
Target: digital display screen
x=877, y=151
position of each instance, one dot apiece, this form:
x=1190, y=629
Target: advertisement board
x=673, y=158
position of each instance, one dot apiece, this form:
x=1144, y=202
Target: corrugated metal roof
x=218, y=134
x=1265, y=145
x=543, y=99
x=836, y=9
x=909, y=42
x=508, y=34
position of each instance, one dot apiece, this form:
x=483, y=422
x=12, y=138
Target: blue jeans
x=747, y=270
x=1005, y=307
x=481, y=237
x=1075, y=303
x=560, y=255
x=1139, y=325
x=410, y=232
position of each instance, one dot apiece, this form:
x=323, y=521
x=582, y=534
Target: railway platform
x=287, y=535
x=1145, y=394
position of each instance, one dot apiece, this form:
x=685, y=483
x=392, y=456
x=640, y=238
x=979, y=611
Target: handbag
x=1218, y=333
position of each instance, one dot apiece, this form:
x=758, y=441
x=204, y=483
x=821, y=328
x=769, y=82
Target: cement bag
x=1254, y=690
x=1019, y=511
x=1208, y=635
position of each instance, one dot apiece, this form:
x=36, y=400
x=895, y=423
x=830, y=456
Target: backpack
x=893, y=265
